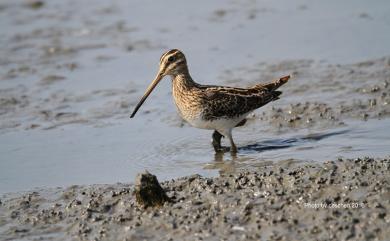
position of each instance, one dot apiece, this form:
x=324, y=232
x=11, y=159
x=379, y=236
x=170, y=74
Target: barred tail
x=273, y=85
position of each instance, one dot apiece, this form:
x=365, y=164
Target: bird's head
x=172, y=63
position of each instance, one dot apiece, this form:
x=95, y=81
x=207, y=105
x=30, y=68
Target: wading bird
x=217, y=108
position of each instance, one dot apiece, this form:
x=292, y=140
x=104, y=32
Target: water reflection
x=227, y=162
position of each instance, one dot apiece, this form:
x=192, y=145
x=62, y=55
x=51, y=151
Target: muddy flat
x=344, y=199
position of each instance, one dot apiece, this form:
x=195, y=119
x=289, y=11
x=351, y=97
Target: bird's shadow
x=275, y=144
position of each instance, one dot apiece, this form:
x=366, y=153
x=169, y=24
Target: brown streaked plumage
x=211, y=107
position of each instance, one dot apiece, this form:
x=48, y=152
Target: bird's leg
x=217, y=141
x=233, y=147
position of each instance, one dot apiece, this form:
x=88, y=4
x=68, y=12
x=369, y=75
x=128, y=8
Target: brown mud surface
x=343, y=199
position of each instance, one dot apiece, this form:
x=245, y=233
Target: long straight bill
x=147, y=93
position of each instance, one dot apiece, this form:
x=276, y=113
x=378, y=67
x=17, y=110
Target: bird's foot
x=221, y=149
x=233, y=149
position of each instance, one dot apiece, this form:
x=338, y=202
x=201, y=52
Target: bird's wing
x=233, y=102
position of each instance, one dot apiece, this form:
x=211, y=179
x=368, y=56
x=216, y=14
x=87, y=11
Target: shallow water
x=112, y=154
x=69, y=80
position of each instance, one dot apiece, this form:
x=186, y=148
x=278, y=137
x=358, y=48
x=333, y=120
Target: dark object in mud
x=34, y=4
x=148, y=192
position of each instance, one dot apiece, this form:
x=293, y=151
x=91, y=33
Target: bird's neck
x=183, y=80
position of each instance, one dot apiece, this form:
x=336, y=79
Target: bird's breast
x=188, y=104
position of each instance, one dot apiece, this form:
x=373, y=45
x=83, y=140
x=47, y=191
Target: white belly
x=220, y=124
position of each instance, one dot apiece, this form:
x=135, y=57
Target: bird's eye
x=171, y=59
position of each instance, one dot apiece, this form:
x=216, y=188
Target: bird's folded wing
x=225, y=103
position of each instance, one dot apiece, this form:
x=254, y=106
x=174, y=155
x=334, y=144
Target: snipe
x=211, y=107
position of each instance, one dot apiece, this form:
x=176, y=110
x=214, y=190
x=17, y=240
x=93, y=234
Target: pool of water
x=79, y=154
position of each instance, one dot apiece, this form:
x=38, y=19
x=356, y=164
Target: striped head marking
x=172, y=62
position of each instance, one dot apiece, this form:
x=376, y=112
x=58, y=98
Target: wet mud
x=319, y=95
x=50, y=63
x=344, y=199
